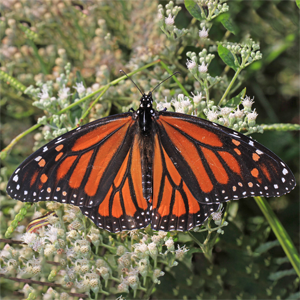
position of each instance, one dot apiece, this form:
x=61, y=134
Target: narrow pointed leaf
x=227, y=57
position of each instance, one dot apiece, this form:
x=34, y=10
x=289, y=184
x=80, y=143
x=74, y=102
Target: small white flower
x=79, y=88
x=217, y=216
x=29, y=238
x=156, y=239
x=52, y=233
x=239, y=113
x=160, y=16
x=163, y=105
x=64, y=93
x=186, y=103
x=38, y=244
x=180, y=252
x=177, y=105
x=169, y=243
x=162, y=234
x=123, y=287
x=152, y=246
x=225, y=111
x=252, y=116
x=212, y=115
x=44, y=95
x=247, y=102
x=197, y=98
x=203, y=68
x=169, y=20
x=203, y=33
x=157, y=273
x=190, y=64
x=141, y=248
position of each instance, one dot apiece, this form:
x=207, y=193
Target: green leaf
x=193, y=9
x=228, y=24
x=227, y=57
x=298, y=3
x=235, y=101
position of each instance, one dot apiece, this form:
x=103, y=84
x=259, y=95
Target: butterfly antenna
x=121, y=71
x=165, y=80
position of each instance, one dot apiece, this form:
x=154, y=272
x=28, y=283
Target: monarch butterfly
x=143, y=167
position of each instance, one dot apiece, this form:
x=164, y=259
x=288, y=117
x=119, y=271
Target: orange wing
x=124, y=206
x=96, y=167
x=174, y=206
x=218, y=164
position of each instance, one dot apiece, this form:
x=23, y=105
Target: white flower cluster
x=233, y=117
x=199, y=66
x=214, y=8
x=248, y=50
x=131, y=262
x=167, y=24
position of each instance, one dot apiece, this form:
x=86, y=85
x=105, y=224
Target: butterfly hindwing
x=174, y=207
x=219, y=164
x=124, y=206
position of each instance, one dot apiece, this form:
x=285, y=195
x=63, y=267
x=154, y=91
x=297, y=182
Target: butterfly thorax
x=145, y=113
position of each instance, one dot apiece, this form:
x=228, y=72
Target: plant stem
x=280, y=232
x=230, y=85
x=176, y=80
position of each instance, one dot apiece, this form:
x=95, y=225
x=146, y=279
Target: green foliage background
x=245, y=266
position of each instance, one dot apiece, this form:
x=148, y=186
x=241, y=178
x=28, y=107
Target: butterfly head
x=145, y=112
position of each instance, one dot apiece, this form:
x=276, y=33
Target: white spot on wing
x=16, y=178
x=58, y=142
x=284, y=171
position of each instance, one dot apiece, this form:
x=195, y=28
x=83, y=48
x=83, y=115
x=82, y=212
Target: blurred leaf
x=266, y=246
x=298, y=3
x=227, y=57
x=280, y=274
x=193, y=9
x=228, y=23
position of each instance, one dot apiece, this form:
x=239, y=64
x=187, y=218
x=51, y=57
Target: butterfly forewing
x=70, y=168
x=219, y=164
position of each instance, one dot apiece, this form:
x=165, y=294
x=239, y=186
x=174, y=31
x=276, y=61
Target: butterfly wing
x=174, y=207
x=124, y=206
x=218, y=164
x=88, y=167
